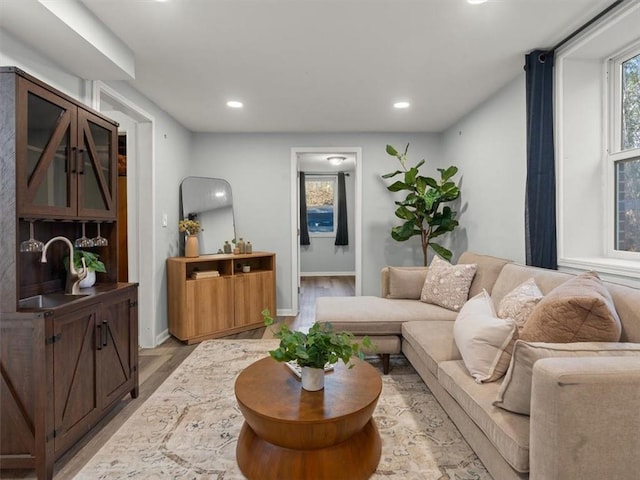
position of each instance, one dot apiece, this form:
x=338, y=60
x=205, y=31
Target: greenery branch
x=320, y=346
x=92, y=260
x=422, y=211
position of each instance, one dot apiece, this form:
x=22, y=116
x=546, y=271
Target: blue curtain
x=342, y=232
x=540, y=202
x=304, y=228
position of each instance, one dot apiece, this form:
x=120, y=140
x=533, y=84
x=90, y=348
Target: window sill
x=615, y=270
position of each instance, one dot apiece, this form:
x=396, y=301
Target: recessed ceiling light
x=401, y=105
x=476, y=2
x=234, y=104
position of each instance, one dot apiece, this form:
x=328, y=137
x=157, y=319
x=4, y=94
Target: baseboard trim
x=162, y=337
x=327, y=274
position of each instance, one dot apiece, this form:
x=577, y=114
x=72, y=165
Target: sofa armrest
x=585, y=418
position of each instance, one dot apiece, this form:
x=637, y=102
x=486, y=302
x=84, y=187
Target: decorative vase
x=312, y=379
x=191, y=248
x=89, y=280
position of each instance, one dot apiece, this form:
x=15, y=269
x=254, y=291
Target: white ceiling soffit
x=71, y=35
x=309, y=65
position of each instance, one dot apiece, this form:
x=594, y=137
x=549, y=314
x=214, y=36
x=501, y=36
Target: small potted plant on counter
x=93, y=263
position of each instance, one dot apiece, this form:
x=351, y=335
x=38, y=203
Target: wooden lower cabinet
x=62, y=371
x=203, y=308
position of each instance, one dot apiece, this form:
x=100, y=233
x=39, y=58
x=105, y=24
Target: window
x=624, y=151
x=321, y=206
x=596, y=116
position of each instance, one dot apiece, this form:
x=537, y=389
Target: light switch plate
x=164, y=220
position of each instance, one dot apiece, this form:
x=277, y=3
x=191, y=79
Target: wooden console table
x=292, y=433
x=211, y=307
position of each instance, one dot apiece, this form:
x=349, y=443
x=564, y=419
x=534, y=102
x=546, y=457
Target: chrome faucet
x=72, y=285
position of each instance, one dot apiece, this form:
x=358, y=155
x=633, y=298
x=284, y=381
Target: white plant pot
x=89, y=280
x=312, y=379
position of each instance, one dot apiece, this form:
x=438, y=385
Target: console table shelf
x=215, y=306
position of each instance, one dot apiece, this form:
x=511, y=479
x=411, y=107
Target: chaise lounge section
x=583, y=399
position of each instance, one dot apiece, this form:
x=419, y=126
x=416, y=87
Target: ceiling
x=300, y=65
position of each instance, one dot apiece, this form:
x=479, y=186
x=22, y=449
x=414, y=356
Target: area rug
x=188, y=428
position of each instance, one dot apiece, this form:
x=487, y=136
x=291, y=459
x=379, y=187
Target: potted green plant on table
x=422, y=211
x=315, y=350
x=93, y=263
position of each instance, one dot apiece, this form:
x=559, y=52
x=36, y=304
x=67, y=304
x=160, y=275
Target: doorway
x=315, y=162
x=138, y=126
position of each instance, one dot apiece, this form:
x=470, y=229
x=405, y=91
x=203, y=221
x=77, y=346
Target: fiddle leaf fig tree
x=423, y=211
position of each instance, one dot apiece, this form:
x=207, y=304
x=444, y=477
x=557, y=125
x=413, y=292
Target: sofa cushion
x=509, y=433
x=404, y=283
x=520, y=302
x=514, y=274
x=484, y=339
x=370, y=315
x=487, y=271
x=515, y=392
x=433, y=342
x=447, y=285
x=579, y=310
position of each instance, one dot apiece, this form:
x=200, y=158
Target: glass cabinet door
x=96, y=171
x=45, y=166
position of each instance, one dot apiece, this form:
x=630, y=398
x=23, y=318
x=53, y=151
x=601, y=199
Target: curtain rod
x=324, y=174
x=585, y=26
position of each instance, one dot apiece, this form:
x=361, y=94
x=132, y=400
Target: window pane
x=631, y=103
x=320, y=199
x=628, y=205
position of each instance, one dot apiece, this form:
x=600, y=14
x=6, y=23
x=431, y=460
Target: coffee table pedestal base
x=355, y=458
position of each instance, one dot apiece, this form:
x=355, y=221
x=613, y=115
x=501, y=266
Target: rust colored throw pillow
x=579, y=310
x=448, y=285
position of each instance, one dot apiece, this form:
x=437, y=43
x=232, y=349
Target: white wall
x=258, y=168
x=489, y=148
x=172, y=150
x=323, y=256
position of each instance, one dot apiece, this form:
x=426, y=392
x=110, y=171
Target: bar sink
x=48, y=300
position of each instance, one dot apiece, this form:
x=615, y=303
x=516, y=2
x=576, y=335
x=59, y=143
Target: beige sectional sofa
x=584, y=420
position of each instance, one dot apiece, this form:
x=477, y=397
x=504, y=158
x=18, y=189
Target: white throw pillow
x=483, y=339
x=515, y=392
x=447, y=285
x=520, y=301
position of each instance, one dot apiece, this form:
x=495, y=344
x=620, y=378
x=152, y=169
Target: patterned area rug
x=188, y=428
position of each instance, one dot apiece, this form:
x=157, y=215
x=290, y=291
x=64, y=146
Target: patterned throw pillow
x=447, y=285
x=520, y=301
x=484, y=340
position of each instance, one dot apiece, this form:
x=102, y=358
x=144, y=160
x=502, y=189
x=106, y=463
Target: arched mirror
x=209, y=201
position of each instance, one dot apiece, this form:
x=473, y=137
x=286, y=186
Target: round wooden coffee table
x=290, y=433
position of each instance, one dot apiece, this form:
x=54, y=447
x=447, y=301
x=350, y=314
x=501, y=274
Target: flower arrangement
x=317, y=348
x=190, y=227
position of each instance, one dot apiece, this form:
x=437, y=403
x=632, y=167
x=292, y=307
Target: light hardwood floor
x=156, y=364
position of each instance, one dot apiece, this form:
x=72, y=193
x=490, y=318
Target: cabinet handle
x=99, y=337
x=105, y=329
x=80, y=161
x=73, y=160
